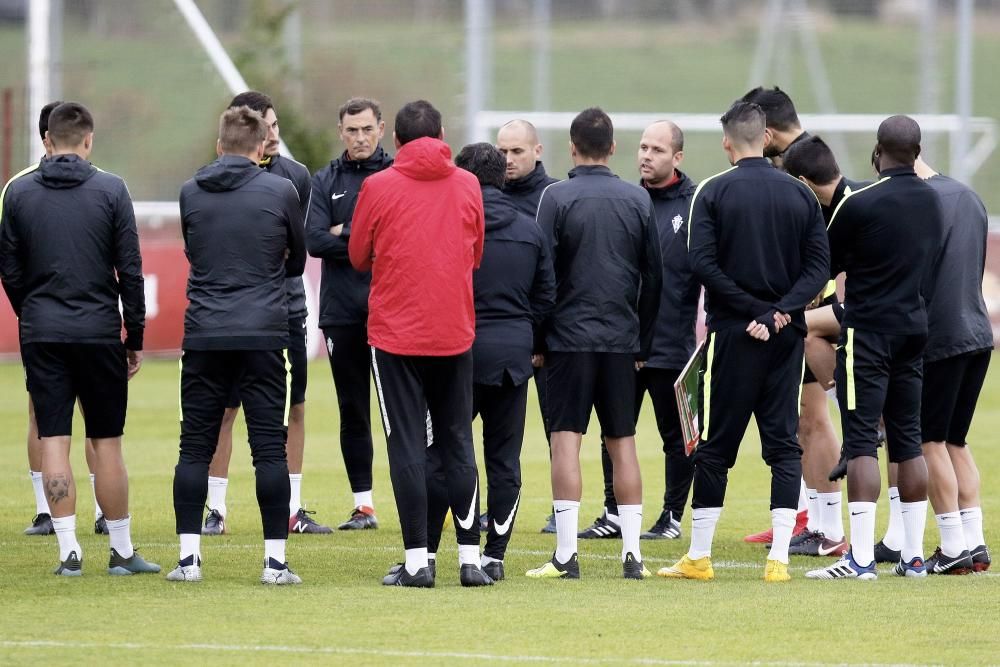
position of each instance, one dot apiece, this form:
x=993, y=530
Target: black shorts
x=951, y=389
x=297, y=363
x=579, y=381
x=59, y=373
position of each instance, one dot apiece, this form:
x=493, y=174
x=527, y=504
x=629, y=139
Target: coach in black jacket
x=243, y=235
x=758, y=245
x=514, y=290
x=69, y=250
x=661, y=150
x=343, y=296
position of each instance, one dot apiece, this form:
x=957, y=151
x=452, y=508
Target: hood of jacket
x=425, y=159
x=229, y=172
x=499, y=211
x=64, y=171
x=377, y=161
x=682, y=187
x=528, y=183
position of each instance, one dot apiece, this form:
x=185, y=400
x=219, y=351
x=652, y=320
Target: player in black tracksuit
x=887, y=238
x=343, y=314
x=758, y=245
x=514, y=290
x=660, y=152
x=239, y=223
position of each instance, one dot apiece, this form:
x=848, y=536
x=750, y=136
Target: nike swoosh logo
x=336, y=197
x=857, y=513
x=557, y=511
x=831, y=504
x=502, y=528
x=827, y=552
x=466, y=523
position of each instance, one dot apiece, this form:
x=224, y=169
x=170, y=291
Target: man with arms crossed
x=887, y=238
x=70, y=250
x=343, y=296
x=606, y=256
x=243, y=235
x=758, y=245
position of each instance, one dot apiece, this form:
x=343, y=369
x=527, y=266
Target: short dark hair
x=257, y=101
x=899, y=138
x=69, y=123
x=43, y=117
x=744, y=122
x=812, y=158
x=592, y=133
x=485, y=161
x=356, y=105
x=416, y=120
x=241, y=130
x=777, y=106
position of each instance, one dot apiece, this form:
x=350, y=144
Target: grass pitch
x=342, y=615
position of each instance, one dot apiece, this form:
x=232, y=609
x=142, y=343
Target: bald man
x=525, y=180
x=880, y=357
x=661, y=151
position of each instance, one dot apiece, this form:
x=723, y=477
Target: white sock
x=972, y=526
x=97, y=506
x=613, y=518
x=468, y=554
x=952, y=536
x=486, y=560
x=703, y=522
x=431, y=556
x=295, y=499
x=831, y=523
x=782, y=525
x=363, y=499
x=121, y=539
x=914, y=522
x=894, y=533
x=803, y=496
x=567, y=524
x=415, y=559
x=65, y=527
x=41, y=503
x=862, y=531
x=630, y=517
x=191, y=546
x=812, y=507
x=274, y=549
x=217, y=494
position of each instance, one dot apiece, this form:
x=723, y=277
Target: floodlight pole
x=541, y=90
x=39, y=70
x=217, y=53
x=927, y=54
x=963, y=91
x=477, y=71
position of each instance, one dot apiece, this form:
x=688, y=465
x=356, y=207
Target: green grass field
x=342, y=615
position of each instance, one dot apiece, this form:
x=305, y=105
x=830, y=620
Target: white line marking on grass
x=338, y=650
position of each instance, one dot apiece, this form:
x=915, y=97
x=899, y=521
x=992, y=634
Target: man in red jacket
x=418, y=227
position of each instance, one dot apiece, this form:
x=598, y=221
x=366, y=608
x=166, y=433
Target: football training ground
x=342, y=615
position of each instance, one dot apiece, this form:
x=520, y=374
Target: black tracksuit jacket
x=525, y=192
x=757, y=243
x=514, y=290
x=887, y=238
x=298, y=174
x=238, y=220
x=343, y=295
x=674, y=334
x=606, y=255
x=957, y=319
x=69, y=250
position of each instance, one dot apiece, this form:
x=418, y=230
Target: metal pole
x=292, y=37
x=213, y=47
x=927, y=53
x=7, y=146
x=475, y=68
x=541, y=91
x=39, y=85
x=963, y=91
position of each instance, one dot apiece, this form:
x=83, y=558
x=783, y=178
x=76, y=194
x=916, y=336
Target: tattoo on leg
x=57, y=487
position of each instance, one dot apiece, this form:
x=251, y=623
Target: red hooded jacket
x=418, y=227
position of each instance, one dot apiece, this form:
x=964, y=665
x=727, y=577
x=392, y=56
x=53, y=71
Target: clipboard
x=686, y=394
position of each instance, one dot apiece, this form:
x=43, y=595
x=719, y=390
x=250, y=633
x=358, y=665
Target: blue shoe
x=915, y=568
x=847, y=568
x=134, y=564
